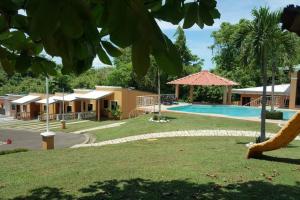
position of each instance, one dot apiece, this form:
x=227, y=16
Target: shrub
x=12, y=151
x=116, y=113
x=274, y=115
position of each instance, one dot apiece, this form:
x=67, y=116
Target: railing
x=236, y=103
x=22, y=115
x=277, y=101
x=151, y=100
x=69, y=116
x=148, y=100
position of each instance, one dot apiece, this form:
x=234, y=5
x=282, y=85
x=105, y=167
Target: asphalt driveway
x=32, y=140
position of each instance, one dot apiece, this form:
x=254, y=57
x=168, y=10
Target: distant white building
x=252, y=96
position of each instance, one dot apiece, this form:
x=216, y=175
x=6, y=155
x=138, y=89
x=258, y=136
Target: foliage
x=29, y=82
x=123, y=75
x=116, y=112
x=211, y=94
x=79, y=30
x=274, y=115
x=187, y=57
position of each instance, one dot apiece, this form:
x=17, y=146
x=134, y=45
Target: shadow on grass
x=177, y=189
x=279, y=159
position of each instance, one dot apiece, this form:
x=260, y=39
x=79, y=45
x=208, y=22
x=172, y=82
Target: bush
x=274, y=115
x=12, y=151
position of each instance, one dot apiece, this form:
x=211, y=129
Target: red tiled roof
x=204, y=78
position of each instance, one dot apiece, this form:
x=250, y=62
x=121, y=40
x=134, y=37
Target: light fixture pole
x=63, y=122
x=47, y=104
x=47, y=137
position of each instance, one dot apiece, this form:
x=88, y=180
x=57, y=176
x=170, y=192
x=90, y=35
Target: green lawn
x=81, y=126
x=141, y=125
x=175, y=168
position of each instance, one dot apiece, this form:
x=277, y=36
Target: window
x=90, y=107
x=69, y=109
x=105, y=104
x=45, y=108
x=13, y=107
x=113, y=105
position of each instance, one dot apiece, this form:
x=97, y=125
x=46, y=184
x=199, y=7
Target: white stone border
x=187, y=133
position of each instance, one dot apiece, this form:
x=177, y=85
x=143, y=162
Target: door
x=246, y=100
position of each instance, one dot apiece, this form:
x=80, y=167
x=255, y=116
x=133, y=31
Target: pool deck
x=165, y=108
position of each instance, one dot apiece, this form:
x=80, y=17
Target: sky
x=198, y=40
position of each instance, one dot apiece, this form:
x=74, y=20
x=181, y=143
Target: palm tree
x=256, y=45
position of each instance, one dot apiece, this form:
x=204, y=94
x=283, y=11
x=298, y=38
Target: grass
x=175, y=168
x=4, y=152
x=83, y=125
x=178, y=121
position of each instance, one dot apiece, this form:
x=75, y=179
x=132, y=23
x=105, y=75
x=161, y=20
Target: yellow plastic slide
x=281, y=139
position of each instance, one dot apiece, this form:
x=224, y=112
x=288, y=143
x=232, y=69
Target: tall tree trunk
x=264, y=97
x=273, y=85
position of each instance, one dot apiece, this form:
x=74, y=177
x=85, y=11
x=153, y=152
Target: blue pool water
x=235, y=111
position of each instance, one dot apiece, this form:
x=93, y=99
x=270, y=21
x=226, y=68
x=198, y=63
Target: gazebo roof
x=204, y=78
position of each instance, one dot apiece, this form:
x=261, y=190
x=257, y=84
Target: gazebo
x=205, y=78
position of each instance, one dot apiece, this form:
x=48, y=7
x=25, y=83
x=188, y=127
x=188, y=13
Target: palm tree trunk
x=264, y=97
x=273, y=85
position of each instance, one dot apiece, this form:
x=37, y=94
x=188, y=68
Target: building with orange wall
x=81, y=104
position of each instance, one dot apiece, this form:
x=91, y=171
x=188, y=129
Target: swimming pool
x=234, y=111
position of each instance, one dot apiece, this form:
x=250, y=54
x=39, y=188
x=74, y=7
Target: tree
x=78, y=30
x=185, y=53
x=261, y=35
x=290, y=18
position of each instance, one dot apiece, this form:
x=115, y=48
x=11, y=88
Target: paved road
x=32, y=140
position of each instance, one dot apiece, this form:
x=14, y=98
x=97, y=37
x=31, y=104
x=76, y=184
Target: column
x=229, y=91
x=98, y=109
x=293, y=90
x=81, y=106
x=177, y=91
x=191, y=96
x=225, y=95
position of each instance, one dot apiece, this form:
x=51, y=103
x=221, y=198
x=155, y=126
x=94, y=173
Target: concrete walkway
x=99, y=127
x=188, y=133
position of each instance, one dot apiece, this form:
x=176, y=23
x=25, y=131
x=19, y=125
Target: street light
x=48, y=136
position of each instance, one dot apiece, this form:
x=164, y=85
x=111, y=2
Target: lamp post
x=63, y=122
x=48, y=136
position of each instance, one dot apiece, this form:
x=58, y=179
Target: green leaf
x=23, y=62
x=190, y=17
x=19, y=22
x=204, y=15
x=210, y=3
x=140, y=57
x=15, y=40
x=171, y=11
x=82, y=49
x=121, y=23
x=45, y=19
x=71, y=23
x=8, y=6
x=3, y=23
x=43, y=66
x=215, y=13
x=168, y=58
x=111, y=49
x=103, y=56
